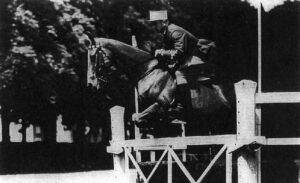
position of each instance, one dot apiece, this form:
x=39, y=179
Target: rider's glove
x=159, y=53
x=169, y=54
x=174, y=67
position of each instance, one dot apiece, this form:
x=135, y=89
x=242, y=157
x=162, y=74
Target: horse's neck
x=134, y=62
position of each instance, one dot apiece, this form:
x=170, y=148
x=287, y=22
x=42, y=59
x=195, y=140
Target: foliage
x=41, y=73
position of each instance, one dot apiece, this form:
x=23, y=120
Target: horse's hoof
x=141, y=124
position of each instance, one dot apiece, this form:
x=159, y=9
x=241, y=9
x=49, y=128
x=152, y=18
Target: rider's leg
x=183, y=105
x=184, y=102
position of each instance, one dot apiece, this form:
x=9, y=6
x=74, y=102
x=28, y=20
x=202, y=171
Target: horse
x=155, y=84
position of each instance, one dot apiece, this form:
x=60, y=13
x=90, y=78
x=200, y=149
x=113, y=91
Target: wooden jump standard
x=247, y=161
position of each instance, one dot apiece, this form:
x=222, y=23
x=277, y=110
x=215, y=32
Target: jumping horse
x=156, y=85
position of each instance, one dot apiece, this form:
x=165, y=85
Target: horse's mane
x=124, y=50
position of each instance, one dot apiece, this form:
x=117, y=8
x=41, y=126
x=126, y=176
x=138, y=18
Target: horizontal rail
x=283, y=141
x=157, y=148
x=181, y=141
x=278, y=97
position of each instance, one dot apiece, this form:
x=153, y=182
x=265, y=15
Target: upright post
x=136, y=94
x=259, y=55
x=170, y=167
x=118, y=135
x=137, y=133
x=228, y=167
x=259, y=80
x=247, y=160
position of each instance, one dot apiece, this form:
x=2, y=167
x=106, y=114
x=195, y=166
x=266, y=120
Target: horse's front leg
x=159, y=86
x=139, y=118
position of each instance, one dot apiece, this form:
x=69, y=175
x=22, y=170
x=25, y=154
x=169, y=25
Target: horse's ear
x=91, y=37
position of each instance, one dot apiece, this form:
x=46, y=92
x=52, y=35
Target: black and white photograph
x=150, y=91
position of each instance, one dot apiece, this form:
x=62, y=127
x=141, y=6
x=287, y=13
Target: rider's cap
x=158, y=15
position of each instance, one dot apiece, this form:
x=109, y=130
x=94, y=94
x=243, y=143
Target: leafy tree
x=41, y=72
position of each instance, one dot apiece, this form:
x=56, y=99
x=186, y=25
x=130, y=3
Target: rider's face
x=160, y=26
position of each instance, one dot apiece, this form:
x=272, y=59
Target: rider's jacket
x=182, y=46
x=179, y=43
x=186, y=51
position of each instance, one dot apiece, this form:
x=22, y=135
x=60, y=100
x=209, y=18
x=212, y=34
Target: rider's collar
x=165, y=31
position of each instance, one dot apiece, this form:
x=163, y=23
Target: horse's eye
x=87, y=42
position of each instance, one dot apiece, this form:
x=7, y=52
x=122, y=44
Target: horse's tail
x=224, y=98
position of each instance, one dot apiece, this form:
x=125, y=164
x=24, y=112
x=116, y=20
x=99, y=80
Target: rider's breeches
x=193, y=69
x=184, y=103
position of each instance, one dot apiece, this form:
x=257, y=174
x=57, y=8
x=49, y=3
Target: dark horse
x=155, y=84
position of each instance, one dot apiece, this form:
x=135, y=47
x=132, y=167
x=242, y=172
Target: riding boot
x=182, y=109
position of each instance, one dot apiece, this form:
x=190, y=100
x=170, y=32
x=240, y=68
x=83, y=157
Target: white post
x=121, y=161
x=298, y=165
x=247, y=161
x=30, y=133
x=118, y=135
x=259, y=80
x=170, y=168
x=228, y=167
x=117, y=124
x=137, y=133
x=259, y=69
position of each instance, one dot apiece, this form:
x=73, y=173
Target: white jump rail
x=277, y=97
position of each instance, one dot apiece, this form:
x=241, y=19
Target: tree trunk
x=5, y=124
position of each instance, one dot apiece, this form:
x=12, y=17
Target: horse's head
x=105, y=75
x=100, y=66
x=118, y=65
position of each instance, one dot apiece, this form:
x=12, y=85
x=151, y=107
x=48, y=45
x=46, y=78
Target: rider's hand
x=158, y=53
x=173, y=68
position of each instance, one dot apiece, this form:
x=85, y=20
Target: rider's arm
x=179, y=49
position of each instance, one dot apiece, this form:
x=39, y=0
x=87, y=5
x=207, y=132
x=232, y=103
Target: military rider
x=182, y=51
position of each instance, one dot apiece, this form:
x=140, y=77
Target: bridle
x=100, y=67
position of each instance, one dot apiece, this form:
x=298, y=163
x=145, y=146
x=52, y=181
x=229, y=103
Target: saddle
x=194, y=70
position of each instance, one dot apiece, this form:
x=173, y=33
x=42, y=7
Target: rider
x=183, y=52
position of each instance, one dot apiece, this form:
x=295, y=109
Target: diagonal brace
x=157, y=164
x=211, y=164
x=138, y=167
x=182, y=167
x=135, y=164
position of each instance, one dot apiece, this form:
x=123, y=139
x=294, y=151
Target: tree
x=41, y=69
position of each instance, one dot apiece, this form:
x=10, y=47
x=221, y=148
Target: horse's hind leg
x=221, y=95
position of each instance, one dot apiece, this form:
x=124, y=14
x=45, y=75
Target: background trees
x=41, y=63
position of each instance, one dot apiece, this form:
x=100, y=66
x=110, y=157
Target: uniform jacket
x=184, y=48
x=179, y=43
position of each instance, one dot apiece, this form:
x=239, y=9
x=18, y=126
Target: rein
x=147, y=72
x=135, y=81
x=102, y=66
